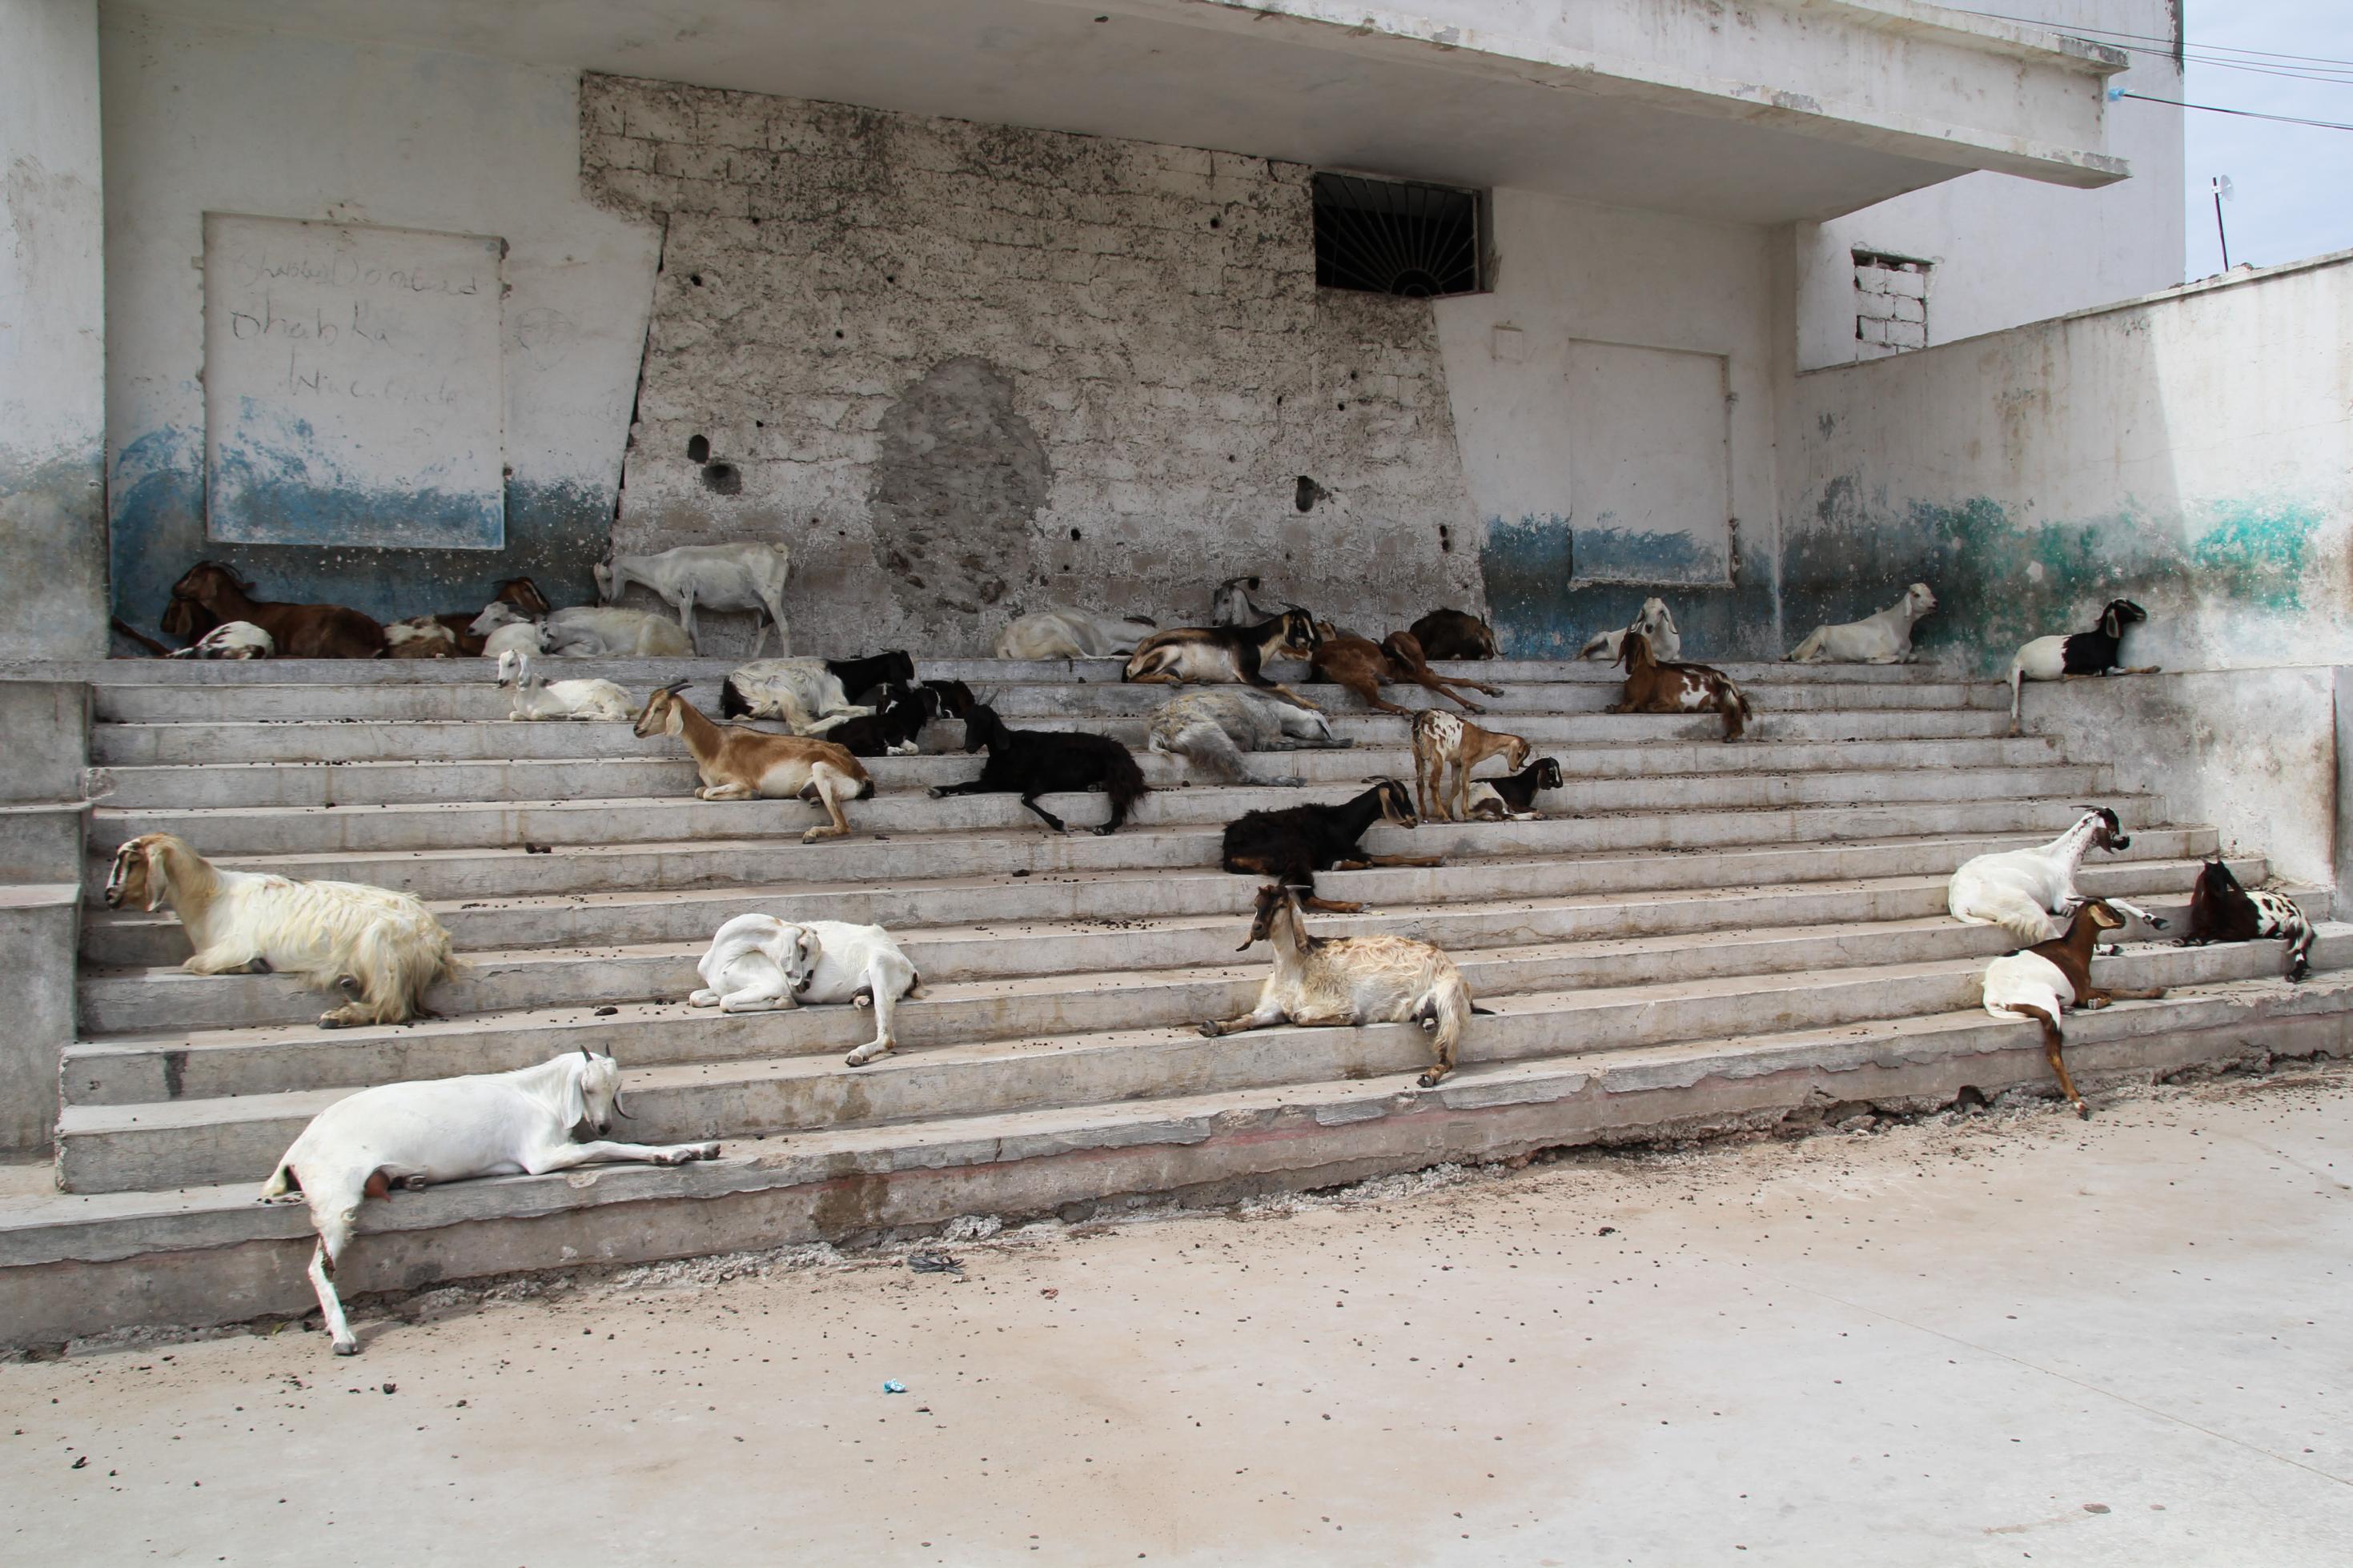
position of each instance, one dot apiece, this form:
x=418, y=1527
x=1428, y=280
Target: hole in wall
x=1344, y=408
x=1075, y=534
x=1306, y=493
x=722, y=478
x=698, y=449
x=695, y=278
x=1445, y=539
x=1213, y=223
x=837, y=331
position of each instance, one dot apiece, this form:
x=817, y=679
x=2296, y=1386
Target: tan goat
x=1443, y=741
x=1654, y=686
x=737, y=762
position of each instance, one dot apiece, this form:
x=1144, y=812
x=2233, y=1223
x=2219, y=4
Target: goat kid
x=1342, y=982
x=1032, y=763
x=1231, y=604
x=1445, y=750
x=757, y=962
x=739, y=764
x=2021, y=890
x=1882, y=639
x=230, y=639
x=1212, y=729
x=1513, y=798
x=2075, y=655
x=419, y=637
x=1657, y=627
x=380, y=949
x=449, y=1129
x=1450, y=633
x=1226, y=653
x=1292, y=844
x=536, y=697
x=892, y=729
x=2045, y=980
x=1654, y=685
x=519, y=594
x=2223, y=910
x=1065, y=633
x=715, y=577
x=210, y=593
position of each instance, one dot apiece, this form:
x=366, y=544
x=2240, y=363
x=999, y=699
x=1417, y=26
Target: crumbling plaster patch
x=1021, y=366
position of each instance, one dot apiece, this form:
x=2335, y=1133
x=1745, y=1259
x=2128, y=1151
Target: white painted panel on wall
x=352, y=385
x=1651, y=464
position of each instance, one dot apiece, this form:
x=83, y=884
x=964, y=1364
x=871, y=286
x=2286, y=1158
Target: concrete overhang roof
x=1773, y=110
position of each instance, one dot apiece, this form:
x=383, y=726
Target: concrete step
x=134, y=939
x=73, y=1265
x=1104, y=1044
x=641, y=772
x=644, y=968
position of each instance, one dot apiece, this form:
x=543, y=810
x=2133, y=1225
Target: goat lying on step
x=536, y=697
x=1363, y=668
x=1654, y=685
x=449, y=1129
x=2221, y=910
x=230, y=639
x=1214, y=729
x=1882, y=639
x=1225, y=654
x=2045, y=980
x=757, y=962
x=1450, y=633
x=1293, y=844
x=1445, y=750
x=2074, y=655
x=1065, y=633
x=1032, y=763
x=735, y=762
x=2021, y=890
x=1657, y=628
x=1513, y=798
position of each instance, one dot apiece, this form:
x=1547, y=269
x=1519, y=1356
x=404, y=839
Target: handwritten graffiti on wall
x=353, y=394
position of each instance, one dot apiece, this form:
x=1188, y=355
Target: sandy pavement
x=2005, y=1338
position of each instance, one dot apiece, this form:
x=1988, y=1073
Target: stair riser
x=168, y=1001
x=707, y=1102
x=583, y=778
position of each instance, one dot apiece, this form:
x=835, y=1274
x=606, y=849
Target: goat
x=449, y=1129
x=955, y=698
x=1356, y=663
x=230, y=639
x=1351, y=980
x=1032, y=763
x=1225, y=654
x=515, y=638
x=805, y=693
x=739, y=764
x=717, y=576
x=381, y=949
x=1882, y=639
x=2076, y=655
x=1513, y=798
x=2044, y=981
x=419, y=637
x=2221, y=910
x=1658, y=629
x=1231, y=604
x=859, y=677
x=2021, y=890
x=1442, y=741
x=890, y=730
x=1654, y=686
x=1213, y=729
x=1293, y=844
x=581, y=632
x=214, y=594
x=536, y=697
x=1063, y=633
x=519, y=593
x=1451, y=633
x=757, y=962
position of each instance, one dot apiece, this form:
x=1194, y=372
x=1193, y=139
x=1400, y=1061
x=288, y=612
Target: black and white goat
x=1227, y=654
x=2223, y=910
x=2021, y=890
x=892, y=729
x=1032, y=763
x=1293, y=844
x=1513, y=798
x=2074, y=655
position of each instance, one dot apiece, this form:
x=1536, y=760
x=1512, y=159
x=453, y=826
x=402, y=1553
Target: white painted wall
x=2009, y=250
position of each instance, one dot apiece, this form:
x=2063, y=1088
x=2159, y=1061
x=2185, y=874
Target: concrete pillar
x=53, y=599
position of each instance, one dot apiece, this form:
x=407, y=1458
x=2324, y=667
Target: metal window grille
x=1392, y=236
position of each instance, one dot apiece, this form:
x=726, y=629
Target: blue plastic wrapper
x=894, y=1387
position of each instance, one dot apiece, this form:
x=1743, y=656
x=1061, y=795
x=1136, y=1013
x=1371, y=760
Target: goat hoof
x=258, y=967
x=347, y=1347
x=2158, y=922
x=329, y=1021
x=1427, y=1080
x=1104, y=832
x=1209, y=1030
x=2082, y=1113
x=938, y=791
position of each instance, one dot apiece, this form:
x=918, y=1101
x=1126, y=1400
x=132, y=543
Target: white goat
x=1654, y=623
x=517, y=637
x=1064, y=632
x=230, y=639
x=381, y=949
x=2021, y=890
x=536, y=697
x=1882, y=639
x=583, y=631
x=757, y=962
x=804, y=693
x=1351, y=980
x=716, y=576
x=1213, y=729
x=449, y=1129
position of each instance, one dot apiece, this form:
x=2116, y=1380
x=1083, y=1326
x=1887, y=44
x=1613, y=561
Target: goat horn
x=585, y=1056
x=620, y=1110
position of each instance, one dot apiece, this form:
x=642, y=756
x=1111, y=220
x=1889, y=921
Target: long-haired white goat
x=447, y=1130
x=381, y=949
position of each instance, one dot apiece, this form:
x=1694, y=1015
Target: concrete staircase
x=1701, y=932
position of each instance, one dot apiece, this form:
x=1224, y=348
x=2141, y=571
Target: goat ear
x=572, y=1105
x=159, y=878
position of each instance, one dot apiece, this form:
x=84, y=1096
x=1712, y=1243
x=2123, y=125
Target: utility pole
x=2221, y=188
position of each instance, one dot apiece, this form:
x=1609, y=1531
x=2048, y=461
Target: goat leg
x=1263, y=1016
x=2107, y=994
x=330, y=1306
x=1048, y=817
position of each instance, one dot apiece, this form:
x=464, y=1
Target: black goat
x=1293, y=844
x=889, y=730
x=1450, y=633
x=955, y=698
x=1032, y=763
x=860, y=676
x=1513, y=798
x=2221, y=910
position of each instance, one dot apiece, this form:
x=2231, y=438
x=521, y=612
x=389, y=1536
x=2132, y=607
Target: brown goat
x=2044, y=981
x=211, y=593
x=1655, y=686
x=1440, y=741
x=1363, y=668
x=1450, y=633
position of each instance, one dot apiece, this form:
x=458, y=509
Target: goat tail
x=865, y=788
x=1733, y=703
x=1123, y=780
x=2299, y=947
x=395, y=962
x=281, y=1181
x=731, y=704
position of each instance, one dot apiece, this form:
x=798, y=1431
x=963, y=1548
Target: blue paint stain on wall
x=1538, y=614
x=1630, y=557
x=273, y=483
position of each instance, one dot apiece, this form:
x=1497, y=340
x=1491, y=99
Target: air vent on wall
x=1390, y=236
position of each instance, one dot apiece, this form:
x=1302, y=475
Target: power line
x=2167, y=44
x=2244, y=113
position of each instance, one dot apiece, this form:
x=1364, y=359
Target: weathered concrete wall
x=1571, y=277
x=2009, y=251
x=967, y=371
x=2192, y=451
x=52, y=345
x=200, y=119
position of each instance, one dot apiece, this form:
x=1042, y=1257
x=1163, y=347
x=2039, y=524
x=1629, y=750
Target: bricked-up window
x=1391, y=237
x=1891, y=302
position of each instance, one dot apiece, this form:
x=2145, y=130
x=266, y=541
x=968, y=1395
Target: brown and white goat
x=1445, y=750
x=210, y=593
x=1654, y=686
x=1225, y=654
x=1363, y=668
x=739, y=764
x=2044, y=981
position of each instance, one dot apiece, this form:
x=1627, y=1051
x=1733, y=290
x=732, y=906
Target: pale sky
x=2295, y=195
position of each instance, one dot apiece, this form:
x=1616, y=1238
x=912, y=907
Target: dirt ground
x=2001, y=1337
